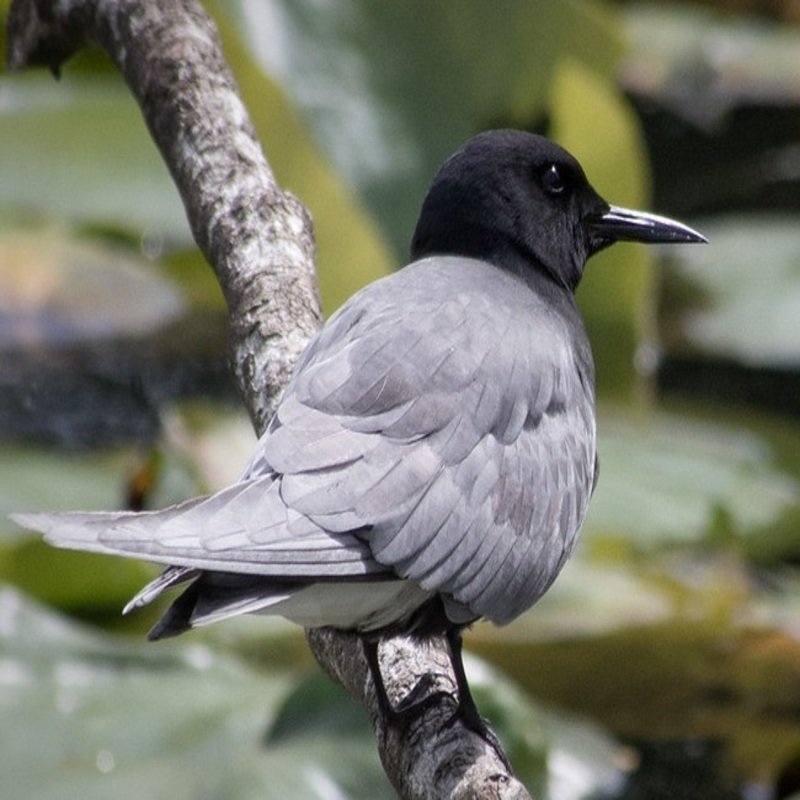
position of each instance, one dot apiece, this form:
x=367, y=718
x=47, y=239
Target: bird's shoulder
x=439, y=327
x=446, y=343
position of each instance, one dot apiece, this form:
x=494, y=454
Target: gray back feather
x=447, y=417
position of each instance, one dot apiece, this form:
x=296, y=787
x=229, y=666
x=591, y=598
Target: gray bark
x=259, y=241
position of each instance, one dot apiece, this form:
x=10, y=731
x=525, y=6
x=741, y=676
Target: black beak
x=622, y=224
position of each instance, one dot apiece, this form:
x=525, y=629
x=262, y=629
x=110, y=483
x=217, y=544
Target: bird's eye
x=553, y=180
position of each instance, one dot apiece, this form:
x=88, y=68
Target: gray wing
x=440, y=433
x=245, y=528
x=453, y=426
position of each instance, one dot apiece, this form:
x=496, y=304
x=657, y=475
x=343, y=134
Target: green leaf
x=740, y=294
x=81, y=583
x=48, y=480
x=78, y=150
x=96, y=717
x=59, y=290
x=667, y=479
x=34, y=479
x=620, y=594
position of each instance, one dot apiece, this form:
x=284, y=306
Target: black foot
x=422, y=697
x=467, y=710
x=479, y=726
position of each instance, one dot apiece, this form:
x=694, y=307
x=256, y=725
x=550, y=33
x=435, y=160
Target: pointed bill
x=623, y=224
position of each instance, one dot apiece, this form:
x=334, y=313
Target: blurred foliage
x=182, y=722
x=76, y=142
x=692, y=676
x=188, y=721
x=672, y=480
x=745, y=293
x=392, y=89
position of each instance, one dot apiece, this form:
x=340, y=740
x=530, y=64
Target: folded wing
x=431, y=432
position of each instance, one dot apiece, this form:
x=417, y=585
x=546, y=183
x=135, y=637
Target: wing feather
x=220, y=532
x=478, y=483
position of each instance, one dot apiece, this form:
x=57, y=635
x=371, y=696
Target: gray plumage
x=432, y=431
x=437, y=441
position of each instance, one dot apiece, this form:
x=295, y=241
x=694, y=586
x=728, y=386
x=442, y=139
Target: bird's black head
x=522, y=202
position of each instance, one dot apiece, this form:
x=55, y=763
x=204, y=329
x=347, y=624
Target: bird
x=431, y=461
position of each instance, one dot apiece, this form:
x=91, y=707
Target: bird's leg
x=420, y=697
x=415, y=701
x=371, y=654
x=467, y=711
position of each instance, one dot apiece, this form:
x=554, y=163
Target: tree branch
x=259, y=241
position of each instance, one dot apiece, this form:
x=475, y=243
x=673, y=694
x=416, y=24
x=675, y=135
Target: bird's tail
x=244, y=529
x=244, y=551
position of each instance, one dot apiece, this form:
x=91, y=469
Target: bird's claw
x=421, y=698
